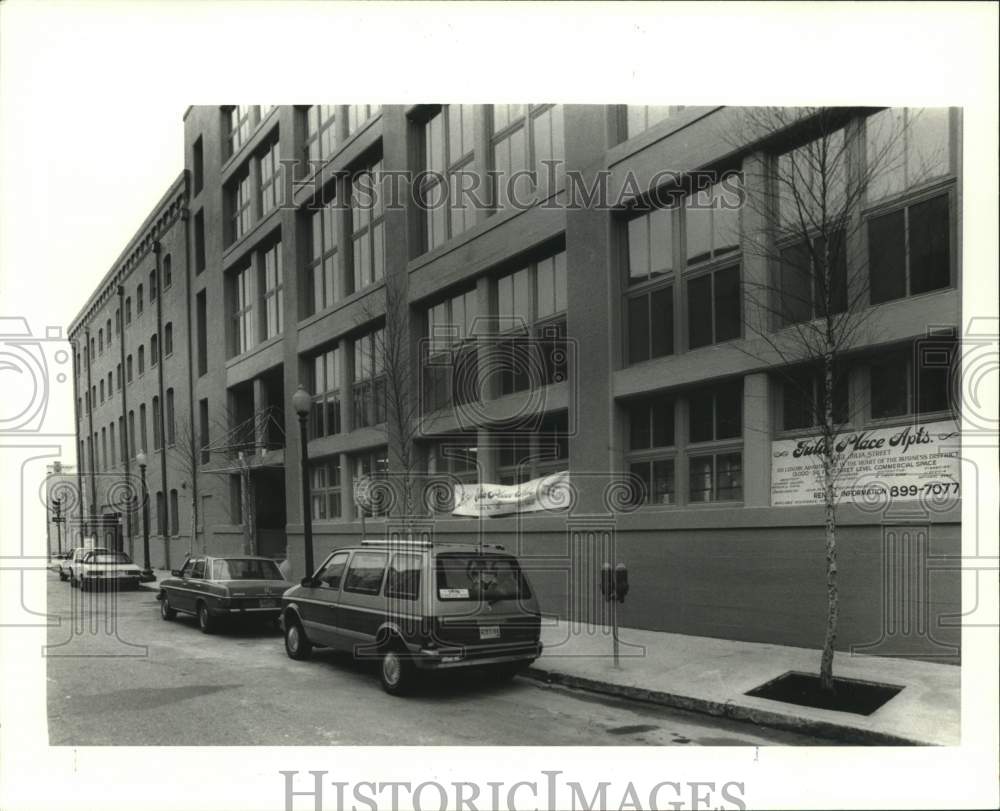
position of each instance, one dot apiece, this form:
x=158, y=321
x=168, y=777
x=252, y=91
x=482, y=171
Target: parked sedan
x=213, y=588
x=101, y=568
x=56, y=563
x=74, y=564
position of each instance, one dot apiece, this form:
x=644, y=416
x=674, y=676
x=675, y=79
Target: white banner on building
x=882, y=465
x=550, y=492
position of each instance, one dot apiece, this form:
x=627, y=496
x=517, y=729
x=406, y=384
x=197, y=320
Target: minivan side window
x=403, y=579
x=365, y=573
x=331, y=573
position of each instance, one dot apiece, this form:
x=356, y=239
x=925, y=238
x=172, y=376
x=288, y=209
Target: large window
x=321, y=133
x=641, y=117
x=270, y=180
x=274, y=292
x=324, y=265
x=239, y=125
x=171, y=421
x=531, y=309
x=526, y=455
x=157, y=434
x=199, y=241
x=456, y=454
x=909, y=249
x=369, y=380
x=802, y=398
x=712, y=221
x=358, y=114
x=714, y=307
x=909, y=245
x=372, y=465
x=325, y=483
x=244, y=336
x=528, y=150
x=451, y=364
x=651, y=455
x=805, y=287
x=325, y=383
x=367, y=232
x=650, y=301
x=715, y=430
x=240, y=207
x=914, y=379
x=906, y=147
x=143, y=434
x=448, y=148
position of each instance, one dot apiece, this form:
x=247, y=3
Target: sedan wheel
x=166, y=612
x=205, y=620
x=297, y=644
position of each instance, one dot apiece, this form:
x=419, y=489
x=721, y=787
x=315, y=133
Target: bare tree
x=395, y=378
x=812, y=305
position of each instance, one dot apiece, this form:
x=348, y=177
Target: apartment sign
x=918, y=462
x=548, y=493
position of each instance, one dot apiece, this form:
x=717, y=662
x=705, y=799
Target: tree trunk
x=832, y=597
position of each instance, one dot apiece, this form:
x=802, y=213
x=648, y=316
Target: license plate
x=489, y=631
x=268, y=603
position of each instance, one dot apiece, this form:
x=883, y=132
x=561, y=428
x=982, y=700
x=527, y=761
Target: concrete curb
x=769, y=718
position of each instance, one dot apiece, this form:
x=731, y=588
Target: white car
x=101, y=567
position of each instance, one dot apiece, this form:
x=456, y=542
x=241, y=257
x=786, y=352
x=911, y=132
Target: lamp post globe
x=302, y=403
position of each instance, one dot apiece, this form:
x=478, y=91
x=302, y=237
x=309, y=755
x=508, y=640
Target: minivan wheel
x=297, y=644
x=396, y=671
x=205, y=620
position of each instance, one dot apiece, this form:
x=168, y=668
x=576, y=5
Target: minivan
x=417, y=607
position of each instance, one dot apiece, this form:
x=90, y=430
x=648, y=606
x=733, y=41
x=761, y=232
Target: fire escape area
x=252, y=455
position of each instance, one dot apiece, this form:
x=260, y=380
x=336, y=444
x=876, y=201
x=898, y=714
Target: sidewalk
x=712, y=675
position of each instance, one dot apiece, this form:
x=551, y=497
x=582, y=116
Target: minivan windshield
x=468, y=576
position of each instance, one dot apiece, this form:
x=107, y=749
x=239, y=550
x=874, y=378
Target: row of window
x=99, y=392
x=107, y=448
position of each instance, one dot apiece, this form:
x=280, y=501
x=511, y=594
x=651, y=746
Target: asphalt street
x=119, y=674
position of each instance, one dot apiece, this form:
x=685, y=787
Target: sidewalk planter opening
x=848, y=695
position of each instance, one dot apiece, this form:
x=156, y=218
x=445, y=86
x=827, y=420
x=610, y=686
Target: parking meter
x=607, y=582
x=621, y=582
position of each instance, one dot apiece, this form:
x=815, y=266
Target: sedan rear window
x=107, y=557
x=480, y=577
x=245, y=569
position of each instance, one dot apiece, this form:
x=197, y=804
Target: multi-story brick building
x=622, y=332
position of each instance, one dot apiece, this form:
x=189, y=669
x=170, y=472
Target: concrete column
x=757, y=303
x=594, y=299
x=481, y=160
x=347, y=509
x=756, y=441
x=260, y=403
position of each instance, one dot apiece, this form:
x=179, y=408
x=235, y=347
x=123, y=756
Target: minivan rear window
x=480, y=577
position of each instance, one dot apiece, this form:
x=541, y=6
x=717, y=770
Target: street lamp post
x=302, y=403
x=147, y=572
x=57, y=519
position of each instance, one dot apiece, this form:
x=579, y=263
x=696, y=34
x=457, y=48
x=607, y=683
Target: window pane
x=560, y=264
x=522, y=296
x=935, y=359
x=663, y=482
x=661, y=241
x=700, y=479
x=698, y=228
x=545, y=288
x=887, y=257
x=701, y=417
x=699, y=311
x=365, y=573
x=727, y=304
x=927, y=153
x=662, y=322
x=639, y=428
x=797, y=401
x=796, y=284
x=885, y=143
x=835, y=277
x=638, y=248
x=929, y=245
x=729, y=410
x=640, y=484
x=663, y=423
x=888, y=383
x=729, y=477
x=638, y=329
